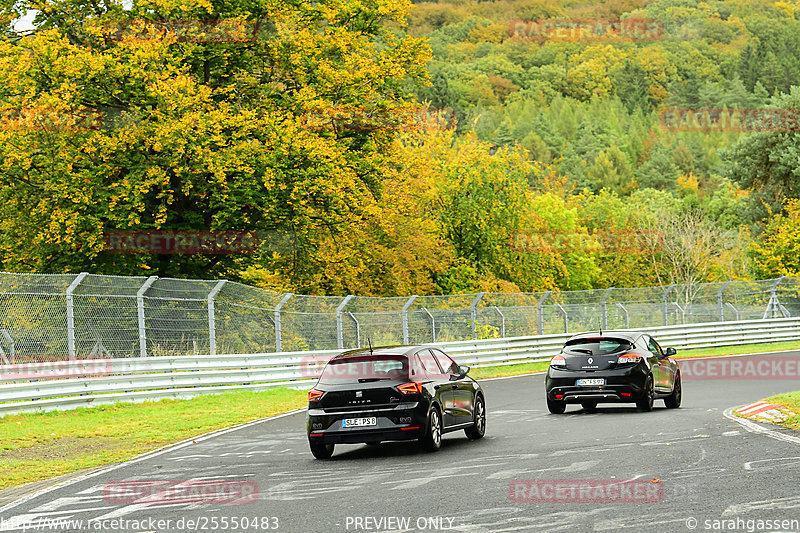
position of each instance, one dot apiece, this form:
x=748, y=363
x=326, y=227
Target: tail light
x=314, y=394
x=412, y=387
x=558, y=360
x=629, y=358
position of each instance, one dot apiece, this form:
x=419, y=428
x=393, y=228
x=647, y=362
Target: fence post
x=604, y=304
x=539, y=307
x=404, y=314
x=502, y=321
x=566, y=317
x=358, y=328
x=278, y=347
x=720, y=303
x=664, y=310
x=774, y=305
x=625, y=312
x=11, y=350
x=339, y=332
x=433, y=324
x=71, y=314
x=474, y=315
x=140, y=314
x=212, y=325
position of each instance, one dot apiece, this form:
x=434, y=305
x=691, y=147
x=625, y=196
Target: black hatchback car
x=392, y=393
x=612, y=366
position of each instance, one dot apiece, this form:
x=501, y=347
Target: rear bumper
x=366, y=435
x=407, y=422
x=622, y=385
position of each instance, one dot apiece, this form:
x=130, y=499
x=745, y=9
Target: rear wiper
x=581, y=350
x=368, y=380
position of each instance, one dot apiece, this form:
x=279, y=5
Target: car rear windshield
x=365, y=369
x=597, y=345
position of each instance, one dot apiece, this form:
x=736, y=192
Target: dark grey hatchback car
x=393, y=393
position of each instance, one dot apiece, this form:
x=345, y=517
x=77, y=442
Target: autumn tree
x=280, y=124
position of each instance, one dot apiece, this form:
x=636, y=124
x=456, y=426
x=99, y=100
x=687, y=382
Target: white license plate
x=591, y=381
x=359, y=422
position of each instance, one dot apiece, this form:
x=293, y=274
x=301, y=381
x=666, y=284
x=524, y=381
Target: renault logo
x=590, y=361
x=359, y=394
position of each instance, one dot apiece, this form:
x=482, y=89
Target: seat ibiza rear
x=396, y=393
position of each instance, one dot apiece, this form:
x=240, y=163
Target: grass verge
x=38, y=446
x=43, y=445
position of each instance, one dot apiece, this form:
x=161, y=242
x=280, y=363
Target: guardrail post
x=212, y=325
x=566, y=317
x=625, y=312
x=358, y=329
x=539, y=309
x=502, y=321
x=604, y=304
x=720, y=303
x=140, y=314
x=339, y=328
x=433, y=324
x=277, y=321
x=404, y=315
x=473, y=314
x=71, y=314
x=664, y=309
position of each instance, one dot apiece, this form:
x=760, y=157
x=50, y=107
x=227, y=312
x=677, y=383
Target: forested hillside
x=380, y=147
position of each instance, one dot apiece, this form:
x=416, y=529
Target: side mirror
x=462, y=372
x=670, y=352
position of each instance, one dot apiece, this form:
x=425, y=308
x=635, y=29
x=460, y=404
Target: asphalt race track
x=708, y=467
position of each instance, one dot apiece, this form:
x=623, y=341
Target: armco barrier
x=32, y=387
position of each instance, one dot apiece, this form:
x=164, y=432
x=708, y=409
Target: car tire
x=321, y=450
x=478, y=429
x=673, y=401
x=589, y=406
x=432, y=439
x=645, y=403
x=556, y=407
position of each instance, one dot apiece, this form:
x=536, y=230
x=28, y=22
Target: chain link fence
x=54, y=317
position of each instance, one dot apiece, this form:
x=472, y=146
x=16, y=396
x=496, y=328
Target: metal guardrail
x=32, y=387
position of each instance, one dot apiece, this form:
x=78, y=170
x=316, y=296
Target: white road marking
x=752, y=427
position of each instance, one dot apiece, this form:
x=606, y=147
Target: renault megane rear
x=612, y=367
